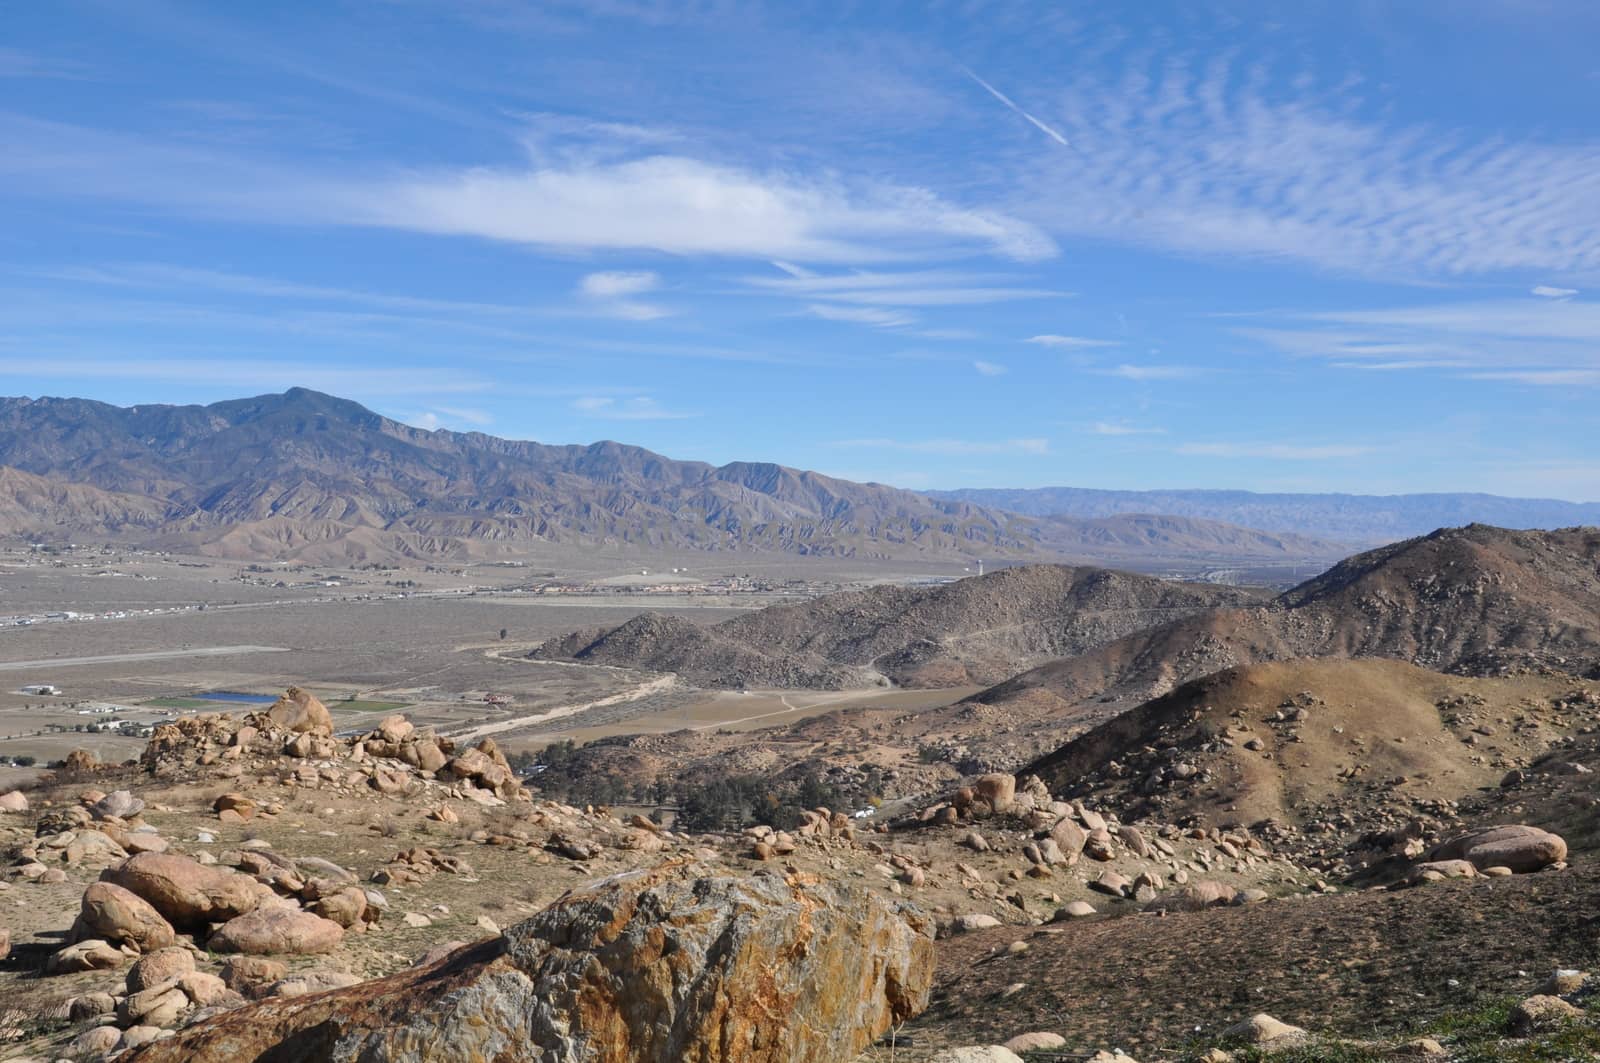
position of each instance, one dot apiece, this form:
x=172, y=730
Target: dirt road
x=153, y=655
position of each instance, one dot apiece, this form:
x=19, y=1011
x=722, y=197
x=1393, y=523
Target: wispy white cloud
x=447, y=417
x=15, y=63
x=614, y=284
x=1544, y=377
x=477, y=418
x=862, y=315
x=682, y=205
x=160, y=276
x=1548, y=340
x=638, y=408
x=1152, y=372
x=901, y=288
x=571, y=198
x=1204, y=154
x=1122, y=428
x=1276, y=451
x=989, y=368
x=247, y=373
x=1003, y=98
x=1069, y=342
x=951, y=446
x=610, y=292
x=1547, y=292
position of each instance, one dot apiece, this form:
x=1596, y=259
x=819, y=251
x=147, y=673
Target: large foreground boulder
x=645, y=967
x=186, y=892
x=1520, y=848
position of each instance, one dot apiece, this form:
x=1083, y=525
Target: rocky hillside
x=316, y=478
x=1473, y=601
x=971, y=631
x=1307, y=743
x=259, y=887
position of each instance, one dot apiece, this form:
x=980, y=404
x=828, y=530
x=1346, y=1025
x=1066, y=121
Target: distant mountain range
x=312, y=477
x=1364, y=519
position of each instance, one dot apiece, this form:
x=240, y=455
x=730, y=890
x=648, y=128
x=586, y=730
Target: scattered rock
x=1420, y=1048
x=119, y=804
x=1196, y=896
x=92, y=955
x=1564, y=983
x=1111, y=884
x=187, y=893
x=276, y=930
x=96, y=1041
x=1038, y=1040
x=90, y=1006
x=119, y=915
x=1521, y=848
x=305, y=983
x=1262, y=1029
x=204, y=989
x=1538, y=1014
x=157, y=1006
x=249, y=974
x=164, y=965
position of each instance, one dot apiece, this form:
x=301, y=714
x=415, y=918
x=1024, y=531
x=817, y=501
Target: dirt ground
x=1357, y=964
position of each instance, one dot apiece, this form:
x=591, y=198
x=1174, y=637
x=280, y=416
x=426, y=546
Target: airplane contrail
x=1003, y=98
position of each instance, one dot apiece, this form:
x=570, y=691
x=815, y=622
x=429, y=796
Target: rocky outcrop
x=301, y=712
x=659, y=965
x=397, y=758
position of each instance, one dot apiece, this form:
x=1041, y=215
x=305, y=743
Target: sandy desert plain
x=145, y=634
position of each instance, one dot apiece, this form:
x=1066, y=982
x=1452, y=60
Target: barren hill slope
x=1474, y=601
x=971, y=631
x=1301, y=741
x=36, y=505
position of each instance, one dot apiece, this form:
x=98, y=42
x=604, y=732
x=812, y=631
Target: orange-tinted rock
x=187, y=893
x=121, y=916
x=640, y=968
x=277, y=929
x=299, y=711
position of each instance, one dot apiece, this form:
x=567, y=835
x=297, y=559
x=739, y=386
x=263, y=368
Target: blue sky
x=1348, y=246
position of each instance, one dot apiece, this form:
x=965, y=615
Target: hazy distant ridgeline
x=1363, y=519
x=317, y=478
